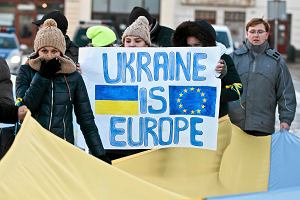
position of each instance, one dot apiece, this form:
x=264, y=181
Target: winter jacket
x=6, y=93
x=71, y=49
x=161, y=36
x=266, y=82
x=8, y=113
x=231, y=87
x=51, y=101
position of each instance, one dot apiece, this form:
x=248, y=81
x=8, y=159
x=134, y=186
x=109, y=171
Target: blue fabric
x=192, y=100
x=289, y=193
x=120, y=92
x=285, y=161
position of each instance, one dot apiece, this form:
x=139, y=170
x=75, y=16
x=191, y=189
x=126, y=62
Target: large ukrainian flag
x=116, y=100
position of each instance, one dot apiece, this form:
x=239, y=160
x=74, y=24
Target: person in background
x=202, y=34
x=101, y=36
x=51, y=88
x=62, y=24
x=267, y=83
x=160, y=35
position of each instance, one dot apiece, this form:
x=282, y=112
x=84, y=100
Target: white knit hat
x=50, y=35
x=139, y=28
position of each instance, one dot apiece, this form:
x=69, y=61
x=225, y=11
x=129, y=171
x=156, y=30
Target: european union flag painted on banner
x=192, y=100
x=116, y=100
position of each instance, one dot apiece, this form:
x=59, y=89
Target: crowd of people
x=254, y=78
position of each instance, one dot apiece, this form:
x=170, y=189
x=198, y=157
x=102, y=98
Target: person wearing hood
x=160, y=35
x=62, y=23
x=51, y=88
x=267, y=83
x=202, y=34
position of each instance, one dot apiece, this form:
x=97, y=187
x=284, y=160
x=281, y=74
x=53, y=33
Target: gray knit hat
x=50, y=35
x=139, y=28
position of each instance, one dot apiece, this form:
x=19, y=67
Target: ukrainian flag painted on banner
x=116, y=100
x=192, y=100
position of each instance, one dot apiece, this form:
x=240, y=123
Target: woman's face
x=193, y=42
x=48, y=52
x=133, y=41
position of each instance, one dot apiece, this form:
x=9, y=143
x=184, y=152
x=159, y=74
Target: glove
x=48, y=69
x=105, y=159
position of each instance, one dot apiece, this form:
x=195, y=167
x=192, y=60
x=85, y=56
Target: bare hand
x=284, y=126
x=22, y=112
x=220, y=66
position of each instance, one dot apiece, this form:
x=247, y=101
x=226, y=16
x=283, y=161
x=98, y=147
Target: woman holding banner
x=50, y=86
x=202, y=34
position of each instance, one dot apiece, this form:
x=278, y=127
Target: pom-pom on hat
x=139, y=28
x=101, y=36
x=50, y=35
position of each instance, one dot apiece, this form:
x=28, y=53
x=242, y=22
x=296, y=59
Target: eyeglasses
x=259, y=32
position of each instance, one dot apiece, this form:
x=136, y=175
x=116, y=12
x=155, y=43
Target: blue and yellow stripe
x=116, y=100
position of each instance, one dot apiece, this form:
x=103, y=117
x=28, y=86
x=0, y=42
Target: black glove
x=105, y=159
x=49, y=68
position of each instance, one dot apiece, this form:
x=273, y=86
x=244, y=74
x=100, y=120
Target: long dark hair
x=189, y=28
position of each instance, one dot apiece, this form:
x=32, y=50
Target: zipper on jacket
x=51, y=112
x=254, y=65
x=65, y=122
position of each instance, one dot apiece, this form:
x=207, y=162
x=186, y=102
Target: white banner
x=153, y=97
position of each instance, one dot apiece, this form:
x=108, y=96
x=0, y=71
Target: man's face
x=257, y=35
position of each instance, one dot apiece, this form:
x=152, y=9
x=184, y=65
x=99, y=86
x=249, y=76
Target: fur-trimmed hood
x=67, y=64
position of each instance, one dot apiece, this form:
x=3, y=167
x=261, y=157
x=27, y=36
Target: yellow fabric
x=116, y=107
x=189, y=171
x=245, y=164
x=40, y=165
x=196, y=173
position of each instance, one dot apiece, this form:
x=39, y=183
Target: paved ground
x=295, y=72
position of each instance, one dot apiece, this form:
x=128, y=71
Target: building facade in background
x=233, y=13
x=21, y=13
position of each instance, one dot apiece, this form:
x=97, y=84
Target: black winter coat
x=51, y=102
x=161, y=36
x=8, y=113
x=229, y=94
x=71, y=49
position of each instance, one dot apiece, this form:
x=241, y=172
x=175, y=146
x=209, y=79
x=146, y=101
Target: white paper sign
x=153, y=97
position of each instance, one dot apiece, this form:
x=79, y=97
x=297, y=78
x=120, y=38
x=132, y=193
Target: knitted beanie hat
x=101, y=36
x=50, y=35
x=139, y=28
